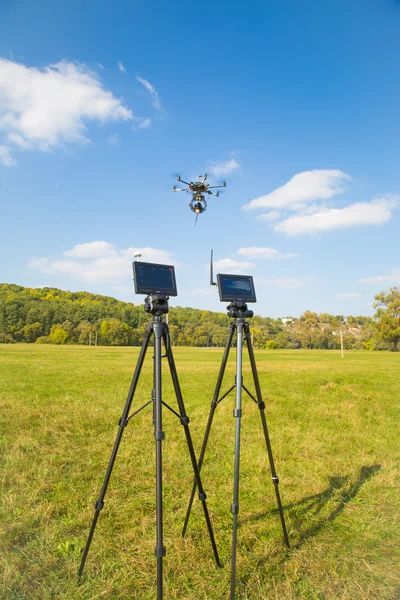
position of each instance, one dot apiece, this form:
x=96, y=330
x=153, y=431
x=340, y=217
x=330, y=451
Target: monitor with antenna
x=236, y=287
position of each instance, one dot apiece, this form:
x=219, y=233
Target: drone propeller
x=176, y=189
x=217, y=186
x=182, y=180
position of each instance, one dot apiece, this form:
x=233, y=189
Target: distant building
x=287, y=321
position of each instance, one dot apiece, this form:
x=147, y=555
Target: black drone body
x=198, y=189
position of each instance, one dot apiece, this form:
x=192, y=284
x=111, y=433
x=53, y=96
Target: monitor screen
x=236, y=287
x=154, y=279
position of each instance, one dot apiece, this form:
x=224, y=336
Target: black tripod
x=157, y=305
x=238, y=310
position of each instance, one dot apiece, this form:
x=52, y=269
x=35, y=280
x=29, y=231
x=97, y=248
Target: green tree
x=6, y=338
x=388, y=316
x=307, y=329
x=271, y=345
x=58, y=335
x=32, y=332
x=219, y=335
x=114, y=333
x=84, y=332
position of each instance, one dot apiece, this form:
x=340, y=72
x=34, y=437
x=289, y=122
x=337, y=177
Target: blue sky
x=296, y=104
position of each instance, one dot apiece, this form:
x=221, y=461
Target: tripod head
x=238, y=310
x=156, y=304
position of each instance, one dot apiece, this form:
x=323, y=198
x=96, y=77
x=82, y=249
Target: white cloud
x=154, y=94
x=91, y=250
x=143, y=123
x=121, y=67
x=288, y=282
x=263, y=253
x=223, y=168
x=393, y=277
x=349, y=295
x=227, y=265
x=319, y=184
x=377, y=212
x=40, y=263
x=6, y=157
x=41, y=109
x=99, y=262
x=269, y=217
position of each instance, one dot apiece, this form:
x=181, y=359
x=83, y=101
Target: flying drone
x=198, y=189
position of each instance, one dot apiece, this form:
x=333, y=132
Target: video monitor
x=154, y=279
x=236, y=287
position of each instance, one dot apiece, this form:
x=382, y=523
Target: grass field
x=334, y=426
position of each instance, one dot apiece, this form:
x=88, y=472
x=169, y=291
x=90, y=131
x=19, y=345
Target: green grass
x=334, y=426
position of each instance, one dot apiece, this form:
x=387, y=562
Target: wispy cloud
x=349, y=295
x=392, y=277
x=153, y=92
x=223, y=168
x=377, y=212
x=6, y=158
x=228, y=265
x=269, y=217
x=121, y=67
x=42, y=109
x=99, y=261
x=255, y=252
x=113, y=139
x=303, y=188
x=288, y=282
x=143, y=122
x=91, y=250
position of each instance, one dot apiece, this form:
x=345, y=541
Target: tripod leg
x=261, y=406
x=214, y=404
x=185, y=423
x=237, y=413
x=121, y=426
x=159, y=436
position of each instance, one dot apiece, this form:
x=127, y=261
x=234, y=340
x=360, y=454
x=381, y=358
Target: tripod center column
x=237, y=413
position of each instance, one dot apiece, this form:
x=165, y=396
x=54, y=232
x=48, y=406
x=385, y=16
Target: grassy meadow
x=335, y=431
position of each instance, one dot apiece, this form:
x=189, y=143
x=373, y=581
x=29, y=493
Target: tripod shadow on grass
x=339, y=493
x=305, y=520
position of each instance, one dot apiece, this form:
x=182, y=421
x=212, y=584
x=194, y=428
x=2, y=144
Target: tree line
x=53, y=316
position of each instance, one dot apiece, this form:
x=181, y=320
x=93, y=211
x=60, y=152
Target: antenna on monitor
x=212, y=282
